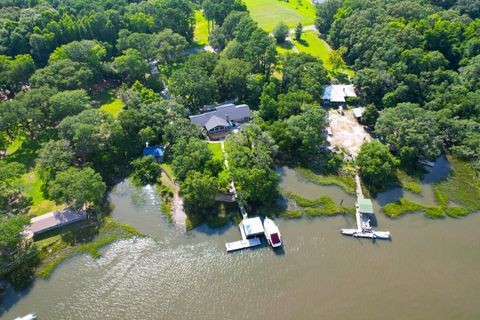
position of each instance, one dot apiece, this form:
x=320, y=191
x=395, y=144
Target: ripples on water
x=431, y=270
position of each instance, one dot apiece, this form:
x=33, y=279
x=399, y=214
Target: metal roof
x=358, y=112
x=338, y=92
x=365, y=205
x=252, y=226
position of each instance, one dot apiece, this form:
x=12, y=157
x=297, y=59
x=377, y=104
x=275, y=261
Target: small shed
x=358, y=112
x=252, y=227
x=155, y=152
x=365, y=205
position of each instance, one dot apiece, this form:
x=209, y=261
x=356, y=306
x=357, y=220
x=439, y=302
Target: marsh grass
x=55, y=251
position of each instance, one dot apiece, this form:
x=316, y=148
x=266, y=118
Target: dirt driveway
x=347, y=133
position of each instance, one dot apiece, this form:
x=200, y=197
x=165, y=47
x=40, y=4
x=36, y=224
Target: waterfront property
x=223, y=119
x=54, y=220
x=337, y=94
x=155, y=152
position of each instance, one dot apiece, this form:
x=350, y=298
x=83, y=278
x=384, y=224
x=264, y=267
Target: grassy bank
x=347, y=183
x=456, y=196
x=269, y=12
x=54, y=250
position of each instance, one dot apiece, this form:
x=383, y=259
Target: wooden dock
x=242, y=244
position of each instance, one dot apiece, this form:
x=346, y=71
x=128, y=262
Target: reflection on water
x=431, y=270
x=295, y=183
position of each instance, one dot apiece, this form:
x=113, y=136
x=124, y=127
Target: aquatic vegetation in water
x=347, y=183
x=323, y=205
x=462, y=188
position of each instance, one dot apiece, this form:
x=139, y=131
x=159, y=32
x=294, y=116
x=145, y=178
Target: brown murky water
x=430, y=270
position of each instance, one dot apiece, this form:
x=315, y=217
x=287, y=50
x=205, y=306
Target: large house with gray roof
x=220, y=121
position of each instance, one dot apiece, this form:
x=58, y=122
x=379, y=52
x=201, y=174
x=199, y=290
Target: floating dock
x=250, y=229
x=242, y=244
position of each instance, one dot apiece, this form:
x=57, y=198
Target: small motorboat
x=366, y=234
x=30, y=316
x=272, y=233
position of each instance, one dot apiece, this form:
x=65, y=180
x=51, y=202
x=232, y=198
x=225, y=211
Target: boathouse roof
x=365, y=205
x=252, y=226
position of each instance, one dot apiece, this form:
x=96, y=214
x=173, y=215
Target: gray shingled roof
x=220, y=114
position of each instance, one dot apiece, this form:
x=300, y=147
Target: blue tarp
x=153, y=151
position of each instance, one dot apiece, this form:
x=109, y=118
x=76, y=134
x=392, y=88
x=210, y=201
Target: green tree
x=10, y=231
x=198, y=156
x=193, y=87
x=280, y=32
x=139, y=22
x=377, y=164
x=335, y=58
x=131, y=65
x=55, y=156
x=199, y=191
x=14, y=72
x=68, y=103
x=145, y=170
x=412, y=131
x=77, y=187
x=298, y=31
x=370, y=115
x=231, y=77
x=170, y=46
x=64, y=75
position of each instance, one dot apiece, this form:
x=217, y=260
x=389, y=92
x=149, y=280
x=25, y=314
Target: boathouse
x=252, y=227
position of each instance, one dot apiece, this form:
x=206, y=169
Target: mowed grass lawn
x=310, y=43
x=200, y=35
x=114, y=108
x=268, y=13
x=216, y=149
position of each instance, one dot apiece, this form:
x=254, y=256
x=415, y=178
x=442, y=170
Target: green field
x=113, y=108
x=268, y=13
x=200, y=35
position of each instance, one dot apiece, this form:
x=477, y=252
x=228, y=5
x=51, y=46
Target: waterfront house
x=337, y=94
x=155, y=152
x=223, y=119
